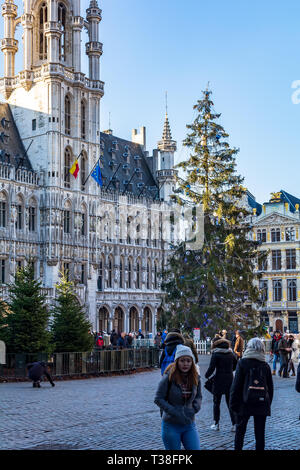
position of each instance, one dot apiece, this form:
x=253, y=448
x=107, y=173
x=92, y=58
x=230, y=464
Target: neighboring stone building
x=276, y=224
x=50, y=117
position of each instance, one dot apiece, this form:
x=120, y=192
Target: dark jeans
x=284, y=364
x=217, y=402
x=259, y=431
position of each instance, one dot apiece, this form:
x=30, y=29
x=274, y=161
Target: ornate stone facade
x=277, y=227
x=52, y=111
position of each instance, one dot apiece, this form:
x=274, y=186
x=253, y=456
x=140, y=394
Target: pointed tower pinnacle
x=167, y=144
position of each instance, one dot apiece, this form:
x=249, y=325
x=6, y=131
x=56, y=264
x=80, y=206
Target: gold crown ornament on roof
x=275, y=197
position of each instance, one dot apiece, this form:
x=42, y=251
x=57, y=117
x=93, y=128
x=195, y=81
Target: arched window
x=67, y=218
x=67, y=115
x=121, y=273
x=110, y=272
x=129, y=273
x=83, y=119
x=20, y=213
x=148, y=274
x=292, y=290
x=100, y=282
x=3, y=210
x=138, y=274
x=275, y=235
x=62, y=40
x=277, y=290
x=103, y=319
x=83, y=170
x=67, y=167
x=83, y=229
x=43, y=18
x=155, y=275
x=32, y=215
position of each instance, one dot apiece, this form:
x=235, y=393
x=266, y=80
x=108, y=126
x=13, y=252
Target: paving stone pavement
x=118, y=413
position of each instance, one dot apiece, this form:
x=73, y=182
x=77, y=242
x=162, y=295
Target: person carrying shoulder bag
x=179, y=398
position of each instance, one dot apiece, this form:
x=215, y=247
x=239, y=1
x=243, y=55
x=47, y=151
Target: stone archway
x=133, y=319
x=119, y=320
x=103, y=319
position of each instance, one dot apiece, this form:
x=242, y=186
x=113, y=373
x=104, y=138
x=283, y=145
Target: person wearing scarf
x=253, y=358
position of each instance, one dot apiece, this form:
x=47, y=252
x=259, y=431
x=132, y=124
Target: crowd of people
x=116, y=340
x=238, y=370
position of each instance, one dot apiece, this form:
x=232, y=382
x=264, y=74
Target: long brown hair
x=176, y=375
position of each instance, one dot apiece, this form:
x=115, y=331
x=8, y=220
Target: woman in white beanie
x=179, y=398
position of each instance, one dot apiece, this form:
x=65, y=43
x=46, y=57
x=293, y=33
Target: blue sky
x=249, y=51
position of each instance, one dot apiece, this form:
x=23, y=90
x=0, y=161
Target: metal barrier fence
x=203, y=347
x=68, y=364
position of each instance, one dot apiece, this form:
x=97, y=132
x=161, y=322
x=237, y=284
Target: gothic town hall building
x=50, y=117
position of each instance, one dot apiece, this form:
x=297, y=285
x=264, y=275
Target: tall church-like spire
x=167, y=144
x=165, y=173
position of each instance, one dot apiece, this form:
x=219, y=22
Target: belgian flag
x=75, y=169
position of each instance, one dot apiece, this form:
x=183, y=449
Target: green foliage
x=4, y=311
x=70, y=329
x=28, y=318
x=212, y=288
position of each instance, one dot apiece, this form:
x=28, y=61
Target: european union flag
x=97, y=175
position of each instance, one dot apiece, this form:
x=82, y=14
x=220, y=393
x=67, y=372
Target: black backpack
x=255, y=387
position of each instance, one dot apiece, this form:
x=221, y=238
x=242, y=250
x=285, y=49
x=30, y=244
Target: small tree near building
x=28, y=320
x=70, y=328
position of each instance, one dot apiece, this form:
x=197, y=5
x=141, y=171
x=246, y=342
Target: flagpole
x=129, y=181
x=92, y=171
x=113, y=177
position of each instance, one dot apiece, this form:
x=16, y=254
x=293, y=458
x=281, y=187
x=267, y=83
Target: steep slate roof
x=255, y=205
x=11, y=146
x=292, y=200
x=129, y=156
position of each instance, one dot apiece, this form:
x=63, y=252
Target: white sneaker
x=233, y=428
x=216, y=427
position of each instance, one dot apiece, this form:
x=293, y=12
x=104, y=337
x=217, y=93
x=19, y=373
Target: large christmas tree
x=29, y=317
x=70, y=328
x=212, y=287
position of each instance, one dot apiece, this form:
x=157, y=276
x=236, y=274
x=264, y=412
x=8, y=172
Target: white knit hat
x=183, y=351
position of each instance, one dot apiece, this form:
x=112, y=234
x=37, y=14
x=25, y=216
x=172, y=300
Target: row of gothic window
x=20, y=222
x=277, y=290
x=290, y=256
x=129, y=283
x=290, y=235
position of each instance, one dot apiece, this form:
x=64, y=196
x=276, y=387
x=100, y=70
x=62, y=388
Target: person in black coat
x=253, y=360
x=298, y=379
x=36, y=372
x=223, y=361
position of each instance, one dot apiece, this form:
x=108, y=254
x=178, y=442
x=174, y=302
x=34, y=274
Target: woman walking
x=223, y=361
x=252, y=393
x=179, y=399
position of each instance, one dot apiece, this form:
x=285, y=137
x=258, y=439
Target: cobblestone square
x=118, y=413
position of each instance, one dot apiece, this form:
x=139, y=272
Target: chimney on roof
x=139, y=137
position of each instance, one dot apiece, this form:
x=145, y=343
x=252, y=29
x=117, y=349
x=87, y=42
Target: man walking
x=284, y=351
